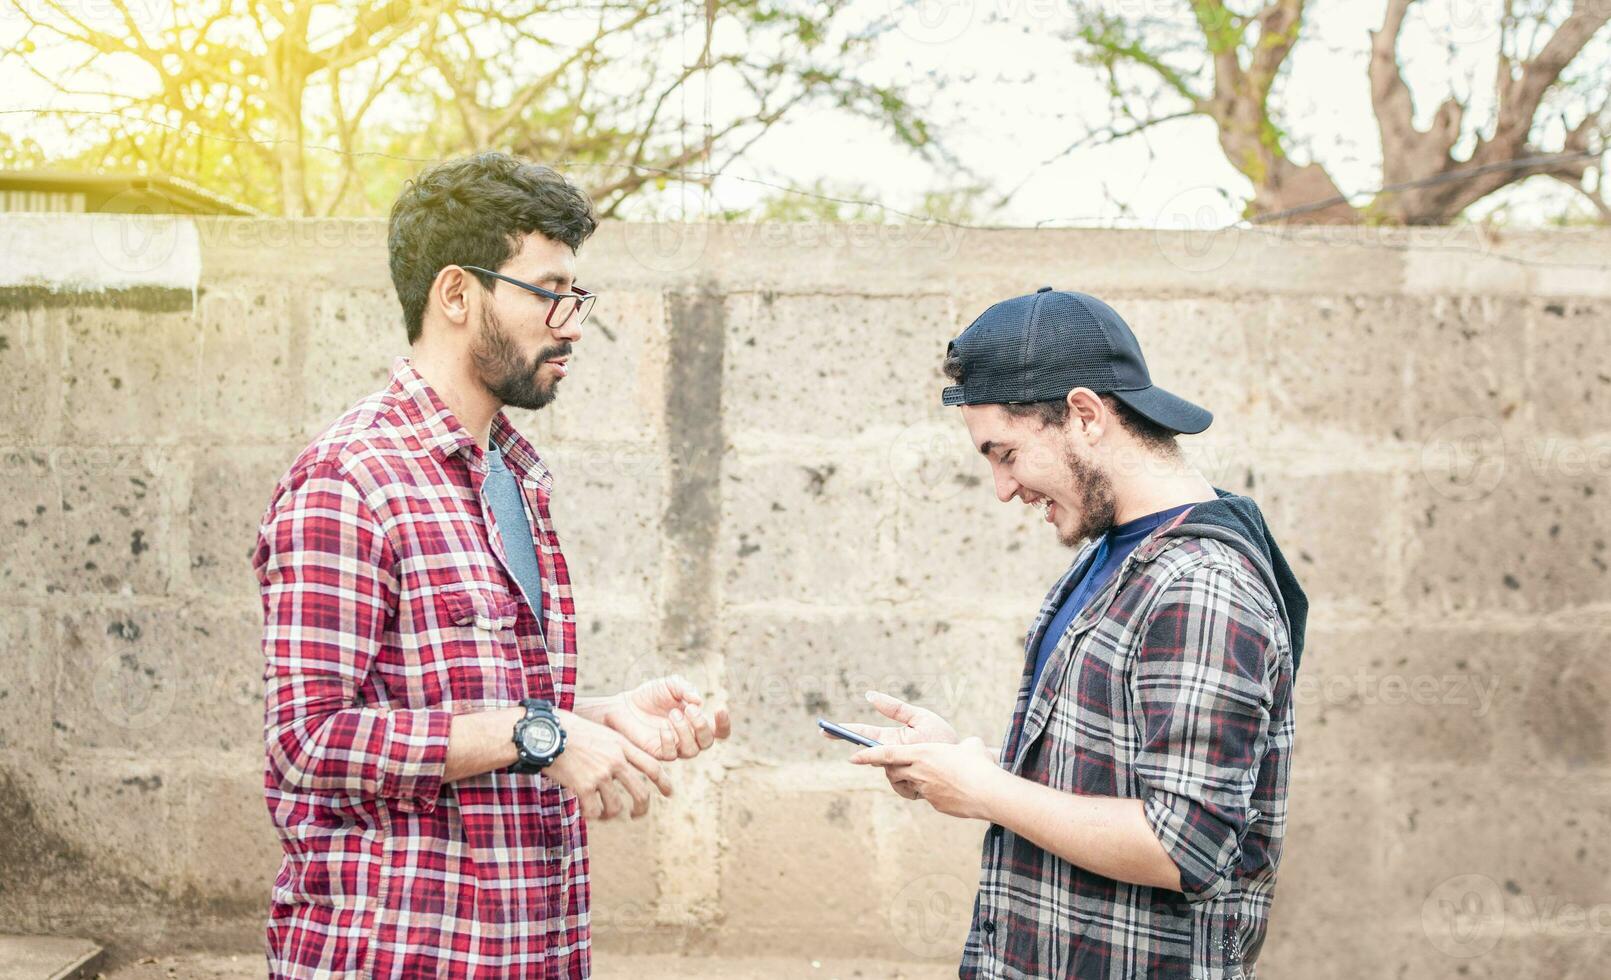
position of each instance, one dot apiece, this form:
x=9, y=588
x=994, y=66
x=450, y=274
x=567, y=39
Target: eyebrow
x=986, y=446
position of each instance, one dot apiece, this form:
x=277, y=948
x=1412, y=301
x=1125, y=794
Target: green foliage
x=325, y=106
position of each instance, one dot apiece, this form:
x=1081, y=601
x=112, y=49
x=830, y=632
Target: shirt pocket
x=481, y=651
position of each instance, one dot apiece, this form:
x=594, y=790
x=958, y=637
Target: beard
x=512, y=379
x=1094, y=490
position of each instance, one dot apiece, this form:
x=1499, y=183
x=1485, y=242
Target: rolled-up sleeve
x=327, y=578
x=1203, y=685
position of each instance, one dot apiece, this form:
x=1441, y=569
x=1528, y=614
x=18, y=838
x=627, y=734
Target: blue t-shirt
x=509, y=508
x=1110, y=553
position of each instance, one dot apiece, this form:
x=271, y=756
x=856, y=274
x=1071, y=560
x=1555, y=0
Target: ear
x=1087, y=416
x=451, y=289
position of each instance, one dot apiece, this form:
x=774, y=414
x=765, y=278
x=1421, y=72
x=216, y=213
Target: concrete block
x=235, y=852
x=1571, y=367
x=1202, y=349
x=1569, y=943
x=609, y=508
x=230, y=488
x=249, y=383
x=102, y=811
x=1333, y=869
x=1467, y=357
x=773, y=890
x=118, y=529
x=1315, y=354
x=30, y=375
x=968, y=547
x=1339, y=531
x=624, y=871
x=1558, y=714
x=160, y=679
x=26, y=682
x=30, y=511
x=1442, y=858
x=1528, y=543
x=616, y=388
x=930, y=863
x=812, y=530
x=1454, y=693
x=791, y=671
x=353, y=336
x=617, y=650
x=829, y=367
x=129, y=376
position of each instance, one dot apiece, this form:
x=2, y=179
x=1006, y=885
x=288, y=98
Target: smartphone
x=845, y=733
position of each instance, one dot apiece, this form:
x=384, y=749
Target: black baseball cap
x=1039, y=347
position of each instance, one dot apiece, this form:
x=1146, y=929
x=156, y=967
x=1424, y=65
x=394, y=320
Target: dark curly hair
x=474, y=211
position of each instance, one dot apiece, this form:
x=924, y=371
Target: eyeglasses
x=562, y=306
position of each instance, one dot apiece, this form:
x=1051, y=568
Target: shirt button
x=989, y=927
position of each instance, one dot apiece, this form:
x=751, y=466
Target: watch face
x=540, y=738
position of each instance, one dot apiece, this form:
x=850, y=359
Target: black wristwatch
x=538, y=737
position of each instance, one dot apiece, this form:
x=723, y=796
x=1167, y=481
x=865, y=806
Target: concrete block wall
x=757, y=487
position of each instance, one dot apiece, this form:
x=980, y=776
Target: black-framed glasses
x=562, y=306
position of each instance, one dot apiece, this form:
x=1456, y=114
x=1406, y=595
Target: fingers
x=592, y=804
x=645, y=763
x=724, y=723
x=704, y=732
x=877, y=733
x=893, y=708
x=687, y=741
x=666, y=751
x=679, y=688
x=636, y=788
x=903, y=787
x=887, y=755
x=611, y=795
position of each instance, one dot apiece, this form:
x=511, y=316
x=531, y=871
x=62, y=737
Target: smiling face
x=1050, y=466
x=520, y=359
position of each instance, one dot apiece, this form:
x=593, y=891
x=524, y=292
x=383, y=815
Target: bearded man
x=429, y=765
x=1138, y=804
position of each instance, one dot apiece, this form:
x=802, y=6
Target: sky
x=1024, y=100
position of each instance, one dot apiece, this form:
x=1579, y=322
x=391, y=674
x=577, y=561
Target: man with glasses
x=428, y=761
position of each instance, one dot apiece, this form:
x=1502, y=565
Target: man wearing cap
x=1138, y=805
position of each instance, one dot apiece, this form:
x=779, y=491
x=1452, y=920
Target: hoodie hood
x=1237, y=521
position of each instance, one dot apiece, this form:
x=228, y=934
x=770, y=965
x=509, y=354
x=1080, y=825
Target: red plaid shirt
x=388, y=609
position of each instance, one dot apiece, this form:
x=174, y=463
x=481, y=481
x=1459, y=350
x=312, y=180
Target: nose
x=1006, y=486
x=570, y=331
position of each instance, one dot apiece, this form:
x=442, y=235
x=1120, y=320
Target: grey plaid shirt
x=1173, y=686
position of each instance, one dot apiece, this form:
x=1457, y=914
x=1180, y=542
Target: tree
x=1206, y=59
x=302, y=107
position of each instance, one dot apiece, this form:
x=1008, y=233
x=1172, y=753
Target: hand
x=961, y=780
x=668, y=718
x=917, y=725
x=605, y=771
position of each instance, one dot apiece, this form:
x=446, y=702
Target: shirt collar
x=441, y=433
x=518, y=454
x=438, y=429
